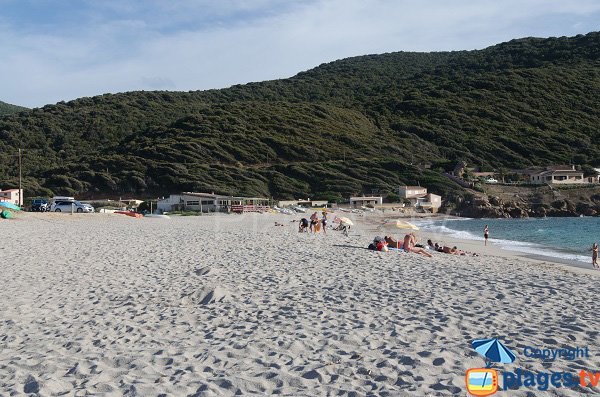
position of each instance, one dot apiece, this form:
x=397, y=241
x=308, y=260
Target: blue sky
x=53, y=50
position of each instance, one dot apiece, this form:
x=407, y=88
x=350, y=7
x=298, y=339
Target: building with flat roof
x=303, y=203
x=357, y=202
x=557, y=174
x=411, y=192
x=430, y=202
x=210, y=202
x=419, y=198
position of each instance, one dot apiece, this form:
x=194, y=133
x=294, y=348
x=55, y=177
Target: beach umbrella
x=400, y=224
x=493, y=350
x=8, y=205
x=344, y=220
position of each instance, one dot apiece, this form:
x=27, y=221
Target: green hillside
x=345, y=127
x=7, y=108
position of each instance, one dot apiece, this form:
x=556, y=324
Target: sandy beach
x=232, y=305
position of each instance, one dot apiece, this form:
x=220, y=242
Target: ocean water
x=564, y=238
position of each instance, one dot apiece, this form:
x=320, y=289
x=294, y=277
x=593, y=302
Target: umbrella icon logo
x=494, y=351
x=484, y=381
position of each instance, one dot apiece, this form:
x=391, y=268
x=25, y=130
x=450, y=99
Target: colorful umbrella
x=493, y=350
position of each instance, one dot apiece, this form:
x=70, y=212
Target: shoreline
x=375, y=225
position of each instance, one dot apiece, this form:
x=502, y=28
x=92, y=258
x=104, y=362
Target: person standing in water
x=486, y=234
x=595, y=255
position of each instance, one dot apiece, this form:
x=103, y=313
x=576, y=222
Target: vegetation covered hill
x=346, y=127
x=7, y=108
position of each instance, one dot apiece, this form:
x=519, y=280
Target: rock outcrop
x=494, y=207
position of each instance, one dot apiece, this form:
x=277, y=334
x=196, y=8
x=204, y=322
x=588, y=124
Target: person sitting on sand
x=303, y=225
x=595, y=255
x=409, y=246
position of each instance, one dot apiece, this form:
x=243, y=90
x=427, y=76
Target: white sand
x=224, y=305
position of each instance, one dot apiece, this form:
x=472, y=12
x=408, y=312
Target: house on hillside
x=210, y=202
x=13, y=196
x=431, y=202
x=412, y=192
x=557, y=174
x=419, y=198
x=596, y=179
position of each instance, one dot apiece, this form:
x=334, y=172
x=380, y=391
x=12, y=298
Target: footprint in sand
x=31, y=385
x=202, y=271
x=206, y=295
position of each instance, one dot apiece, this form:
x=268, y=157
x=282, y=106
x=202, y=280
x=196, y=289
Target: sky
x=59, y=50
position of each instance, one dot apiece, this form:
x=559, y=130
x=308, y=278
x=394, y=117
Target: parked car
x=70, y=205
x=490, y=180
x=39, y=205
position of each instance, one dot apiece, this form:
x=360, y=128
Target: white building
x=303, y=203
x=558, y=174
x=431, y=202
x=358, y=202
x=411, y=192
x=13, y=196
x=419, y=197
x=210, y=202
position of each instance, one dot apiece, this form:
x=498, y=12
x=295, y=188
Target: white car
x=490, y=180
x=71, y=205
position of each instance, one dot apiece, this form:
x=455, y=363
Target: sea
x=566, y=239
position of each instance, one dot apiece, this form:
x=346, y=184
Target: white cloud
x=189, y=45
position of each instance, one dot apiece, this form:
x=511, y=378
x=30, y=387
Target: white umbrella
x=344, y=220
x=400, y=224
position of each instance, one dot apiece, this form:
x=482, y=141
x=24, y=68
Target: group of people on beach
x=447, y=250
x=314, y=224
x=409, y=244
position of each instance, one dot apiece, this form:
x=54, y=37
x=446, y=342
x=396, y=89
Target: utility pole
x=20, y=182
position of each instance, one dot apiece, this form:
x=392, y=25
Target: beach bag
x=372, y=247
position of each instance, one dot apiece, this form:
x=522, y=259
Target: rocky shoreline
x=495, y=207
